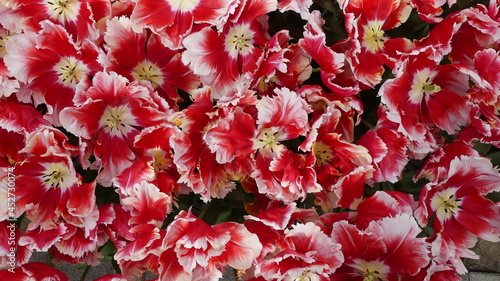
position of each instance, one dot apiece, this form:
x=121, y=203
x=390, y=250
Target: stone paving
x=489, y=260
x=482, y=276
x=487, y=267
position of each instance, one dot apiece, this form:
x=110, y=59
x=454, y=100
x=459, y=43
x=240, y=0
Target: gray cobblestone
x=482, y=276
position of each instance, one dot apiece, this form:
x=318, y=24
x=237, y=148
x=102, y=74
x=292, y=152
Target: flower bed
x=289, y=140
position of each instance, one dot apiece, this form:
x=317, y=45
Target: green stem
x=87, y=269
x=317, y=69
x=205, y=209
x=367, y=124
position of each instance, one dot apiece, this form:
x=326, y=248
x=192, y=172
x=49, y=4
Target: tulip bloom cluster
x=282, y=139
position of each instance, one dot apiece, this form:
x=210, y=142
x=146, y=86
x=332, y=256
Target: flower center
x=323, y=153
x=445, y=203
x=373, y=38
x=321, y=104
x=148, y=71
x=239, y=40
x=57, y=175
x=307, y=275
x=117, y=120
x=161, y=162
x=70, y=71
x=266, y=140
x=4, y=37
x=422, y=85
x=371, y=270
x=63, y=10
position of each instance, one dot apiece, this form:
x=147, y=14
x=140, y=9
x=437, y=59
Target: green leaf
x=428, y=231
x=116, y=267
x=482, y=148
x=170, y=218
x=105, y=259
x=494, y=196
x=108, y=249
x=224, y=215
x=387, y=186
x=81, y=266
x=106, y=195
x=495, y=158
x=211, y=210
x=407, y=185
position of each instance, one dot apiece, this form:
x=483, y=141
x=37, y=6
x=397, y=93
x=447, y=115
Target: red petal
x=16, y=117
x=406, y=252
x=242, y=249
x=42, y=240
x=480, y=216
x=276, y=217
x=232, y=136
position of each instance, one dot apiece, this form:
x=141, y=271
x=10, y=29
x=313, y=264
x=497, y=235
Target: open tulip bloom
x=295, y=140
